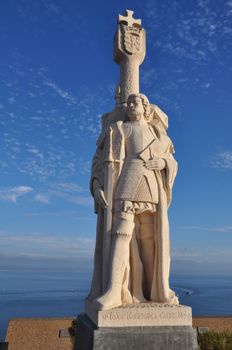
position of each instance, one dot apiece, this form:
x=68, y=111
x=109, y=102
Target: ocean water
x=61, y=294
x=41, y=294
x=207, y=295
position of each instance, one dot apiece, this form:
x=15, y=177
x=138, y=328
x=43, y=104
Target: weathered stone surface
x=129, y=53
x=144, y=314
x=89, y=337
x=131, y=304
x=133, y=172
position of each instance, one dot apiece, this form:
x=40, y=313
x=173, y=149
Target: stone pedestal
x=143, y=314
x=142, y=326
x=91, y=337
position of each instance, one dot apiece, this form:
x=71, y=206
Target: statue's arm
x=169, y=172
x=156, y=163
x=97, y=176
x=96, y=171
x=171, y=165
x=159, y=162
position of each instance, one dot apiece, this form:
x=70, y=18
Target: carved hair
x=145, y=102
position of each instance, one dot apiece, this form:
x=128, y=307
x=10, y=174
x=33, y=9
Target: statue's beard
x=134, y=116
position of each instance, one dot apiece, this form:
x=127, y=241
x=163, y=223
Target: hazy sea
x=60, y=294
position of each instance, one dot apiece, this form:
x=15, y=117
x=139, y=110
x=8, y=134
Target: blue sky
x=57, y=77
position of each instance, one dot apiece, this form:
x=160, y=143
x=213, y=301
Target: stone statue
x=130, y=304
x=134, y=162
x=132, y=176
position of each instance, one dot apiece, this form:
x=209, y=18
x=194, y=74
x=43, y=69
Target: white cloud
x=36, y=148
x=69, y=187
x=226, y=229
x=85, y=201
x=47, y=245
x=229, y=4
x=221, y=160
x=3, y=164
x=11, y=100
x=65, y=191
x=74, y=214
x=206, y=85
x=42, y=198
x=36, y=152
x=201, y=260
x=201, y=254
x=222, y=229
x=62, y=93
x=55, y=162
x=71, y=197
x=186, y=253
x=11, y=194
x=196, y=34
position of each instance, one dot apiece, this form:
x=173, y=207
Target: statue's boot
x=136, y=271
x=119, y=260
x=173, y=300
x=147, y=254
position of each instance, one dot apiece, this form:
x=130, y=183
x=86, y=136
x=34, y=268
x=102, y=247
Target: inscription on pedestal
x=147, y=314
x=139, y=315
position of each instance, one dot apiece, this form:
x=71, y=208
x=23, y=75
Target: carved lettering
x=161, y=313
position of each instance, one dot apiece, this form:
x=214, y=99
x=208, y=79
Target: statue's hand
x=100, y=197
x=155, y=163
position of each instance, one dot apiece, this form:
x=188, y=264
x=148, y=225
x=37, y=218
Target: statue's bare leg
x=146, y=236
x=121, y=236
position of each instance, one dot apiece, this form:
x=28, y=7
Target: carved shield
x=132, y=40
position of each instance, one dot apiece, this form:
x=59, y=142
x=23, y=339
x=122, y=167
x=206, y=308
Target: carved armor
x=137, y=183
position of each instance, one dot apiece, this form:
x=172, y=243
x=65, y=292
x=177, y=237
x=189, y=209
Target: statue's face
x=135, y=109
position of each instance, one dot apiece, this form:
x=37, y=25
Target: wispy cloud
x=42, y=198
x=72, y=193
x=11, y=194
x=69, y=187
x=222, y=229
x=76, y=117
x=86, y=201
x=36, y=152
x=65, y=191
x=11, y=100
x=201, y=260
x=74, y=214
x=62, y=93
x=197, y=32
x=187, y=38
x=186, y=253
x=201, y=254
x=50, y=163
x=221, y=160
x=47, y=245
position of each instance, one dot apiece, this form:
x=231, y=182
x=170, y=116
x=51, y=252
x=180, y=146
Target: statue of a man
x=132, y=177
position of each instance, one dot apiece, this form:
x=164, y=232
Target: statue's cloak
x=106, y=169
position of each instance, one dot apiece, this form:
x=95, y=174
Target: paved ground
x=43, y=333
x=38, y=334
x=218, y=324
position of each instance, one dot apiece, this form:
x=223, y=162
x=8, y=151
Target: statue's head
x=138, y=107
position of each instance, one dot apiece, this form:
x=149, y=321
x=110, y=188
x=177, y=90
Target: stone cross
x=129, y=53
x=129, y=20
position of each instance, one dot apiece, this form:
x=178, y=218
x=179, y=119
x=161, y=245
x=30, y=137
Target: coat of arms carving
x=131, y=39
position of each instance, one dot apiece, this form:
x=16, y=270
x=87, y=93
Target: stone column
x=129, y=53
